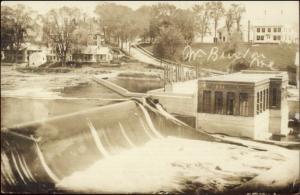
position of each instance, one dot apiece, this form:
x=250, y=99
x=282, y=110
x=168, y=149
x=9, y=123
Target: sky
x=283, y=12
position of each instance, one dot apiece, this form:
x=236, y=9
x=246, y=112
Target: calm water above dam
x=138, y=84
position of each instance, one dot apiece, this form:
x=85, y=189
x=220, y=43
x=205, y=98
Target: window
x=275, y=29
x=230, y=103
x=206, y=101
x=267, y=98
x=269, y=29
x=258, y=37
x=264, y=100
x=218, y=102
x=257, y=103
x=279, y=29
x=274, y=38
x=262, y=38
x=278, y=37
x=263, y=30
x=260, y=102
x=274, y=97
x=244, y=104
x=258, y=29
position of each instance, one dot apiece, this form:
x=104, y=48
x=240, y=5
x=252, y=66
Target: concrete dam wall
x=35, y=156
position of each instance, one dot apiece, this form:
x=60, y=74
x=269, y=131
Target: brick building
x=248, y=103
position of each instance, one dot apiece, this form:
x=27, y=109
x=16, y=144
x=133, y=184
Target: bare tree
x=59, y=26
x=238, y=11
x=229, y=20
x=216, y=12
x=202, y=18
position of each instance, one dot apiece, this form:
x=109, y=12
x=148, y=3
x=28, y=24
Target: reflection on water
x=137, y=84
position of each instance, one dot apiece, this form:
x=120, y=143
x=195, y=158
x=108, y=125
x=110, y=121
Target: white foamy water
x=16, y=84
x=175, y=165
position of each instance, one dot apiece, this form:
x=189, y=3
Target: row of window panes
x=269, y=29
x=275, y=37
x=262, y=101
x=230, y=102
x=278, y=37
x=260, y=37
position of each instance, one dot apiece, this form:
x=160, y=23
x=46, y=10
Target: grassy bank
x=282, y=55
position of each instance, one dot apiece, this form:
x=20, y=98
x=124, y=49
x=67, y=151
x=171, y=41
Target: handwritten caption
x=255, y=59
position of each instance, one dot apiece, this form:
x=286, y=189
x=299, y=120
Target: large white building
x=262, y=33
x=274, y=33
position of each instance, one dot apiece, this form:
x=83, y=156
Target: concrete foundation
x=229, y=125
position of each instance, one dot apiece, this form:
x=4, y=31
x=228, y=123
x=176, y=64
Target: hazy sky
x=284, y=12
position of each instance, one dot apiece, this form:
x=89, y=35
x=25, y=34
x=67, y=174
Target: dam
x=44, y=152
x=137, y=142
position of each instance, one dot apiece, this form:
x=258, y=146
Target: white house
x=93, y=53
x=36, y=59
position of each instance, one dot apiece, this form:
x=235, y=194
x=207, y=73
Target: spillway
x=36, y=156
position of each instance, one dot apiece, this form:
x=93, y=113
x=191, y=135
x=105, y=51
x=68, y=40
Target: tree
x=237, y=14
x=229, y=21
x=16, y=22
x=59, y=26
x=153, y=30
x=216, y=12
x=184, y=20
x=115, y=20
x=167, y=42
x=202, y=18
x=7, y=23
x=85, y=27
x=234, y=44
x=143, y=17
x=161, y=16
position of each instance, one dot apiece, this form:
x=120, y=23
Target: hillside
x=258, y=56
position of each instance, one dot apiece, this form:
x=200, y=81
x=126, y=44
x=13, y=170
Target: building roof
x=267, y=24
x=248, y=76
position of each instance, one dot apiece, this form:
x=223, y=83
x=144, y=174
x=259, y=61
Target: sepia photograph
x=150, y=97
